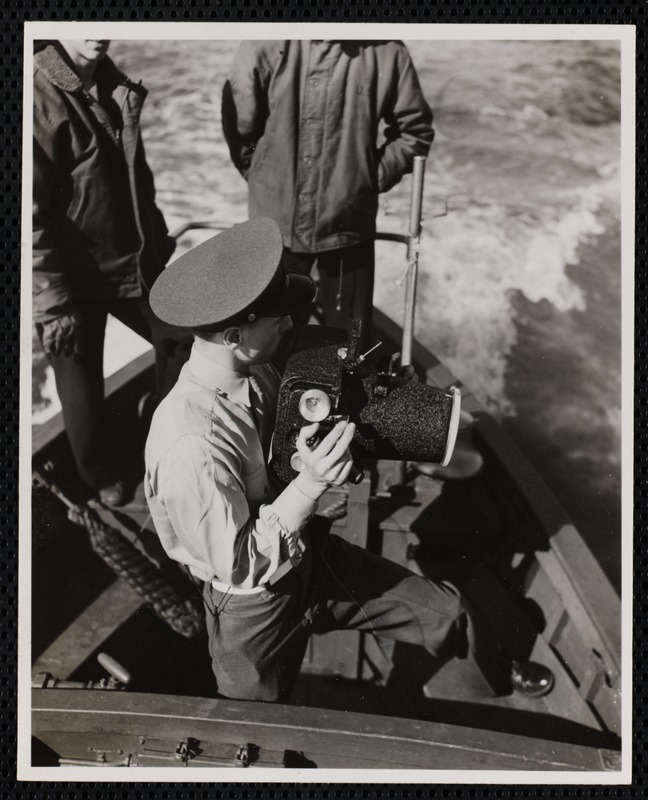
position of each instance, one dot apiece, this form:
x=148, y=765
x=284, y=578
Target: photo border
x=128, y=29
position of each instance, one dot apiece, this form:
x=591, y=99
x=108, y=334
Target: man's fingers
x=50, y=339
x=58, y=341
x=78, y=350
x=64, y=336
x=340, y=448
x=330, y=440
x=68, y=335
x=307, y=432
x=330, y=461
x=48, y=344
x=345, y=471
x=67, y=344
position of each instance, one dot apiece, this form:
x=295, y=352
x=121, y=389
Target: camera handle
x=356, y=475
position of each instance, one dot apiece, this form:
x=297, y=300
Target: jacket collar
x=53, y=61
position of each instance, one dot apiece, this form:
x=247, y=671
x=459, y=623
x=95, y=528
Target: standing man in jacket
x=304, y=122
x=99, y=240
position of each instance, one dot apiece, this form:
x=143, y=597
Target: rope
x=182, y=613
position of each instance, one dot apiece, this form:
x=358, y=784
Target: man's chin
x=281, y=351
x=98, y=49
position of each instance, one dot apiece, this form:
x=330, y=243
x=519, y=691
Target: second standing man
x=304, y=122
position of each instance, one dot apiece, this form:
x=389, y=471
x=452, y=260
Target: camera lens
x=314, y=405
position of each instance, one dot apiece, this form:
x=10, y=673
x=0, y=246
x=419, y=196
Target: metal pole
x=413, y=246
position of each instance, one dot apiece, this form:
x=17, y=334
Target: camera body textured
x=326, y=379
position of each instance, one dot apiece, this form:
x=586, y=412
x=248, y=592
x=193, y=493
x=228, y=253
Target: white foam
x=474, y=261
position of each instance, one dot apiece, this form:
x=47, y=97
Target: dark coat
x=97, y=232
x=302, y=120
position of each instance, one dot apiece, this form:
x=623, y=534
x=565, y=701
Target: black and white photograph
x=326, y=403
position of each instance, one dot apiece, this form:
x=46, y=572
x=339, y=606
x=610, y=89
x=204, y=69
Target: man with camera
x=271, y=572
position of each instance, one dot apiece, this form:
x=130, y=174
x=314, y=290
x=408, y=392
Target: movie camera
x=327, y=379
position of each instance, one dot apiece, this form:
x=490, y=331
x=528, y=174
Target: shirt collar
x=224, y=380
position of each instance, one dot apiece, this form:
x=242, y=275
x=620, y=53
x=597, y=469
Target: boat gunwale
x=45, y=434
x=150, y=712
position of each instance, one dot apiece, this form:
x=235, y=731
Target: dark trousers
x=80, y=381
x=257, y=642
x=345, y=279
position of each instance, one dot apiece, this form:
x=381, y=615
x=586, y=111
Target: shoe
x=531, y=679
x=114, y=495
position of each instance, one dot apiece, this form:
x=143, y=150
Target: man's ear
x=232, y=338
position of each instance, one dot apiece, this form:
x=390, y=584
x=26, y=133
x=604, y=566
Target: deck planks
x=89, y=630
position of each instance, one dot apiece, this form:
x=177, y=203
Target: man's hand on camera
x=329, y=462
x=63, y=336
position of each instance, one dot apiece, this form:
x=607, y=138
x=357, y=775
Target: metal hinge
x=242, y=757
x=186, y=750
x=191, y=752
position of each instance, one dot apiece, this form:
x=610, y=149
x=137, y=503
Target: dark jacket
x=302, y=122
x=97, y=232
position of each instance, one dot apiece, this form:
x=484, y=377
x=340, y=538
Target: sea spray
x=472, y=260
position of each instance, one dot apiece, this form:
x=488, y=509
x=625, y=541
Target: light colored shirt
x=206, y=483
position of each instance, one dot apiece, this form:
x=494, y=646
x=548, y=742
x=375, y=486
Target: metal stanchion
x=413, y=248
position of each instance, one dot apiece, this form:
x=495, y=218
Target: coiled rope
x=184, y=614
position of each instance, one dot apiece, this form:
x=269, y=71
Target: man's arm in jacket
x=409, y=130
x=51, y=292
x=165, y=245
x=245, y=100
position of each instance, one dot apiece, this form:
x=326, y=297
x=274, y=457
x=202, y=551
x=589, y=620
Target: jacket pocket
x=90, y=210
x=102, y=213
